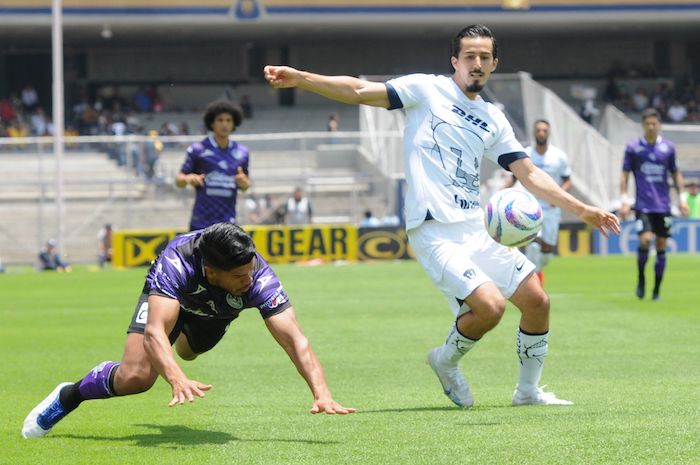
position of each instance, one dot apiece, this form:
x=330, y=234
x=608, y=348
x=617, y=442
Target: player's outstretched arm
x=286, y=331
x=162, y=315
x=345, y=89
x=542, y=185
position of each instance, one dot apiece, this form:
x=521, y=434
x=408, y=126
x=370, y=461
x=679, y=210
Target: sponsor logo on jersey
x=277, y=299
x=470, y=273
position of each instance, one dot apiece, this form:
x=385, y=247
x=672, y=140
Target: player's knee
x=492, y=311
x=134, y=381
x=186, y=355
x=539, y=303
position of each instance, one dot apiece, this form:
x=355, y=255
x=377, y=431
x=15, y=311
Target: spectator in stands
x=676, y=112
x=142, y=101
x=333, y=123
x=247, y=107
x=7, y=110
x=588, y=110
x=30, y=99
x=104, y=245
x=217, y=167
x=50, y=260
x=333, y=126
x=41, y=125
x=2, y=268
x=640, y=100
x=369, y=221
x=152, y=149
x=692, y=198
x=298, y=209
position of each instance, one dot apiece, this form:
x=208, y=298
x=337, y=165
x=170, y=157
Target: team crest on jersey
x=236, y=154
x=234, y=301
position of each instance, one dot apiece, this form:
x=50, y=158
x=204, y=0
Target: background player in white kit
x=553, y=161
x=449, y=129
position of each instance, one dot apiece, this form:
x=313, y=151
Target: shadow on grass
x=178, y=436
x=448, y=409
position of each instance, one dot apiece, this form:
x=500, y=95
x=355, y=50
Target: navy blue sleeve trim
x=507, y=158
x=394, y=100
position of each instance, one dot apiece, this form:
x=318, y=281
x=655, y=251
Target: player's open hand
x=282, y=76
x=603, y=221
x=186, y=390
x=330, y=407
x=242, y=179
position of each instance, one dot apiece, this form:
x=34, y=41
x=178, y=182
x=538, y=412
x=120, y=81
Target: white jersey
x=553, y=162
x=446, y=138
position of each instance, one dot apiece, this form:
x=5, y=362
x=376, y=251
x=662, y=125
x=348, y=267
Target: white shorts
x=459, y=257
x=551, y=217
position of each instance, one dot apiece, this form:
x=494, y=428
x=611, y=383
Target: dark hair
x=226, y=246
x=216, y=108
x=543, y=121
x=474, y=31
x=650, y=113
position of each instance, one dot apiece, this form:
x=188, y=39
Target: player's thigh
x=444, y=252
x=506, y=266
x=459, y=258
x=661, y=225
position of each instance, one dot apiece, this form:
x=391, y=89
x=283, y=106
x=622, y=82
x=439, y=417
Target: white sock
x=533, y=252
x=454, y=348
x=532, y=349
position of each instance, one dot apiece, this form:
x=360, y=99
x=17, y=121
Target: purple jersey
x=215, y=201
x=178, y=273
x=651, y=165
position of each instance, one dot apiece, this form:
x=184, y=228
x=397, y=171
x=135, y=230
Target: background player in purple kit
x=198, y=285
x=216, y=167
x=651, y=158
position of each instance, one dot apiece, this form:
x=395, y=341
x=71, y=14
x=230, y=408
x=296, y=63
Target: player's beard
x=475, y=87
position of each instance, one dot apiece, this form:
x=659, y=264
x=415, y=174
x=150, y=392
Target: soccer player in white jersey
x=449, y=130
x=553, y=161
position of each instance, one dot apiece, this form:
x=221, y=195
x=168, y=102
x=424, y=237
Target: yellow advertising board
x=277, y=244
x=286, y=244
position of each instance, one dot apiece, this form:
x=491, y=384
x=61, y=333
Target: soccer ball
x=513, y=217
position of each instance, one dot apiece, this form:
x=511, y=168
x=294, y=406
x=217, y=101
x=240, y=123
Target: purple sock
x=96, y=384
x=642, y=257
x=659, y=267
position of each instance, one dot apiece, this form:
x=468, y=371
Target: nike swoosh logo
x=520, y=267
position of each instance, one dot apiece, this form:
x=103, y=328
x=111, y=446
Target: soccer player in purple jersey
x=199, y=284
x=651, y=158
x=216, y=167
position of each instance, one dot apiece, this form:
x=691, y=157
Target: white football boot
x=45, y=415
x=453, y=383
x=537, y=397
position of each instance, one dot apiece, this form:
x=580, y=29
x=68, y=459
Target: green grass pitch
x=632, y=367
